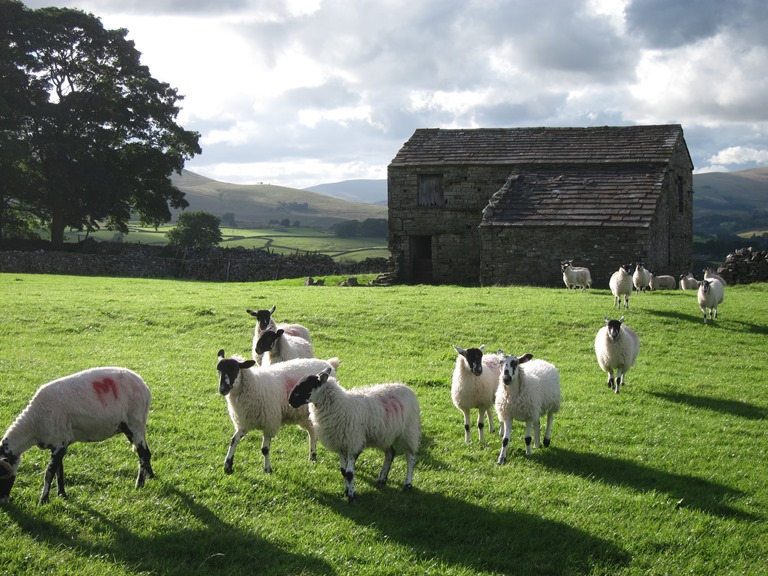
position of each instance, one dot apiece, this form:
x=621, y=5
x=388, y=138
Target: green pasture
x=669, y=477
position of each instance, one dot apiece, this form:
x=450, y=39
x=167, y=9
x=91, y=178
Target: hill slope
x=730, y=201
x=255, y=205
x=369, y=191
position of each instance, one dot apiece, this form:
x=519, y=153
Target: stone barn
x=506, y=206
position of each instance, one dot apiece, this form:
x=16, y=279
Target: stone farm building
x=504, y=206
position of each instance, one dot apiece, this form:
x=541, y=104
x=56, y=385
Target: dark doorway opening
x=421, y=260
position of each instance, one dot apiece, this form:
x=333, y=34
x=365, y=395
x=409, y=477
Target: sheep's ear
x=247, y=364
x=459, y=349
x=251, y=312
x=524, y=358
x=323, y=376
x=500, y=352
x=279, y=333
x=221, y=354
x=482, y=347
x=621, y=319
x=606, y=319
x=272, y=310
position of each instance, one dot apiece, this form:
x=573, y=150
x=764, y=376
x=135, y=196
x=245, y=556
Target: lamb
x=528, y=389
x=475, y=379
x=266, y=322
x=278, y=346
x=641, y=278
x=575, y=276
x=662, y=282
x=89, y=406
x=384, y=416
x=710, y=296
x=688, y=282
x=709, y=274
x=621, y=285
x=616, y=348
x=257, y=398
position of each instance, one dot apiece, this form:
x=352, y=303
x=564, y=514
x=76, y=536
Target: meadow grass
x=669, y=477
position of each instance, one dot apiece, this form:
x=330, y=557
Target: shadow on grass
x=694, y=318
x=730, y=407
x=446, y=531
x=692, y=492
x=211, y=546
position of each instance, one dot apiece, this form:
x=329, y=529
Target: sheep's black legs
x=389, y=456
x=55, y=468
x=230, y=459
x=145, y=467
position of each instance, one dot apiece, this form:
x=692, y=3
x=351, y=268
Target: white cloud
x=740, y=155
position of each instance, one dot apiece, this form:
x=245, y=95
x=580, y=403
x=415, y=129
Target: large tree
x=103, y=144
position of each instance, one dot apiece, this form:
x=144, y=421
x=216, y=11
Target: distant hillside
x=368, y=191
x=730, y=201
x=255, y=205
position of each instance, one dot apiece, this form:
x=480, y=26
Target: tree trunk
x=57, y=229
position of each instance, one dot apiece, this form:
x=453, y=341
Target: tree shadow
x=731, y=407
x=733, y=325
x=211, y=546
x=689, y=491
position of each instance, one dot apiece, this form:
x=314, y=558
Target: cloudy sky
x=305, y=92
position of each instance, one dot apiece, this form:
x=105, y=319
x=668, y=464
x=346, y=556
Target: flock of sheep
x=284, y=383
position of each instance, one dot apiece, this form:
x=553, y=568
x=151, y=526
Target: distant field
x=281, y=241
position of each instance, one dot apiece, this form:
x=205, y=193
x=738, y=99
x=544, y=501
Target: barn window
x=680, y=195
x=430, y=190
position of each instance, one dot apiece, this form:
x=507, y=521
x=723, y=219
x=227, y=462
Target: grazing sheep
x=616, y=348
x=710, y=296
x=575, y=276
x=709, y=274
x=274, y=347
x=621, y=285
x=641, y=278
x=266, y=322
x=384, y=416
x=475, y=379
x=662, y=282
x=257, y=398
x=688, y=282
x=528, y=389
x=88, y=406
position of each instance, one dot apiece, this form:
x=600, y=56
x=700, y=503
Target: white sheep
x=688, y=282
x=475, y=379
x=662, y=282
x=709, y=274
x=641, y=278
x=257, y=399
x=616, y=348
x=575, y=276
x=528, y=389
x=710, y=296
x=264, y=321
x=384, y=416
x=88, y=406
x=621, y=286
x=279, y=346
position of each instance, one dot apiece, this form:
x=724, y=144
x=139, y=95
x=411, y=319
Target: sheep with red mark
x=265, y=321
x=475, y=379
x=279, y=346
x=384, y=416
x=89, y=406
x=257, y=399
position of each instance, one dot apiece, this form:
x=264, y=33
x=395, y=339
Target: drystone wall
x=745, y=266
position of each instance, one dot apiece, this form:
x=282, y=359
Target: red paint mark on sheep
x=392, y=407
x=289, y=384
x=103, y=388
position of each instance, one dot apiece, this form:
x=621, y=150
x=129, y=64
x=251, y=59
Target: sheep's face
x=704, y=286
x=263, y=317
x=267, y=340
x=474, y=358
x=229, y=370
x=614, y=328
x=511, y=366
x=565, y=265
x=304, y=391
x=7, y=476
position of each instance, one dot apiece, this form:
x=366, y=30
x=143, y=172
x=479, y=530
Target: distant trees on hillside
x=195, y=230
x=370, y=228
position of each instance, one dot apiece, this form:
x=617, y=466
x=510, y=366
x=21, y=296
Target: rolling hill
x=368, y=191
x=730, y=201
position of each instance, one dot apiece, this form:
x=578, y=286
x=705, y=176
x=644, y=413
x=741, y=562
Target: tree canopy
x=88, y=137
x=197, y=229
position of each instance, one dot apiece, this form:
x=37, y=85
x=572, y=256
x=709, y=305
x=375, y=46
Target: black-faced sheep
x=621, y=286
x=688, y=282
x=88, y=406
x=475, y=379
x=528, y=390
x=710, y=296
x=641, y=278
x=257, y=399
x=278, y=346
x=616, y=348
x=710, y=274
x=265, y=321
x=384, y=416
x=575, y=276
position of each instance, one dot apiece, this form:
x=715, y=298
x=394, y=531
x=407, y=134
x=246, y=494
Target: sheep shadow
x=688, y=491
x=733, y=325
x=210, y=546
x=444, y=530
x=729, y=407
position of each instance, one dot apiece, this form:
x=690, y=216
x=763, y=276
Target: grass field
x=669, y=477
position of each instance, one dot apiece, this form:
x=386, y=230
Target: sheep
x=475, y=379
x=709, y=274
x=89, y=406
x=575, y=276
x=641, y=278
x=274, y=347
x=662, y=282
x=384, y=416
x=616, y=348
x=528, y=389
x=710, y=296
x=621, y=285
x=266, y=322
x=688, y=282
x=257, y=398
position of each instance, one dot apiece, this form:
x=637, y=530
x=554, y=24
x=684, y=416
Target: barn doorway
x=421, y=260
